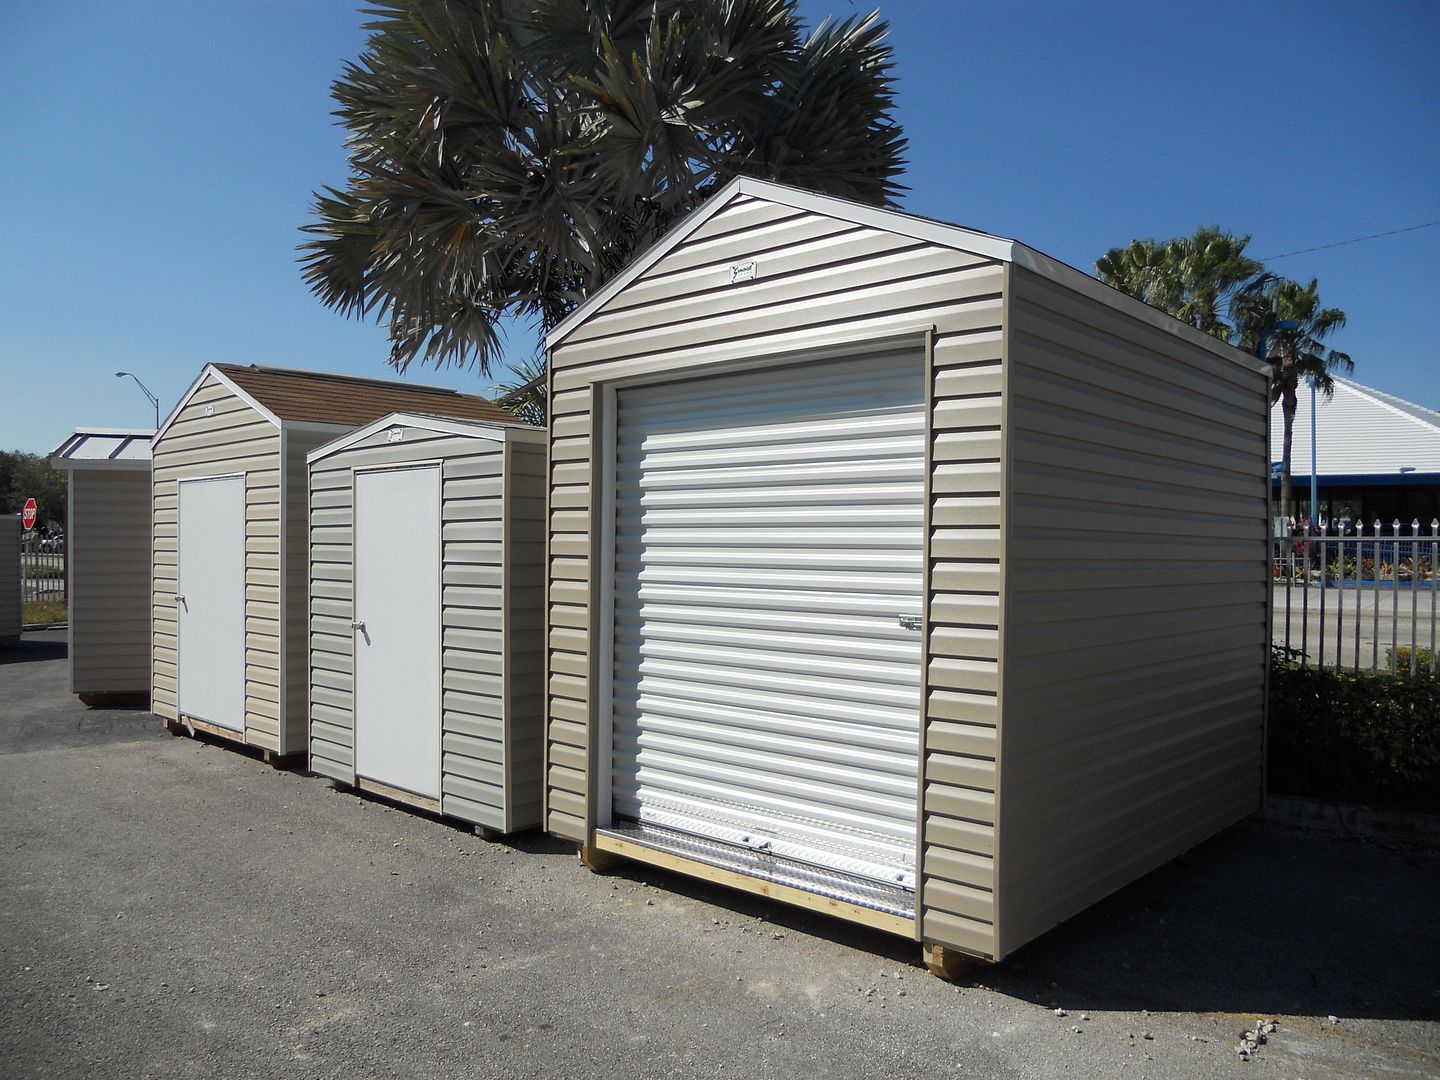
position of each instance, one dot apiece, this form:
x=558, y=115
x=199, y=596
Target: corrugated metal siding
x=474, y=683
x=1136, y=637
x=108, y=542
x=234, y=439
x=820, y=283
x=10, y=577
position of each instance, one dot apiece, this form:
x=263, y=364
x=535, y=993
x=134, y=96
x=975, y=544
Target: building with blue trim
x=1377, y=457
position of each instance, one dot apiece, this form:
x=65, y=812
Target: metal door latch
x=358, y=626
x=908, y=622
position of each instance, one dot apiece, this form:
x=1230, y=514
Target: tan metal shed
x=427, y=570
x=107, y=562
x=231, y=542
x=900, y=571
x=10, y=579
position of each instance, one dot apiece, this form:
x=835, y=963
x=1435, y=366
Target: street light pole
x=144, y=390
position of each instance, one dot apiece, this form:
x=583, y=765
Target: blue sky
x=160, y=157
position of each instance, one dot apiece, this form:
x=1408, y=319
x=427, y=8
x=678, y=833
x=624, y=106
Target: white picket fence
x=1359, y=597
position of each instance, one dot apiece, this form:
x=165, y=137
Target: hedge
x=1355, y=737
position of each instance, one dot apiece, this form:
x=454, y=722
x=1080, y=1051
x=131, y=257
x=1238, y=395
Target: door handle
x=358, y=626
x=180, y=598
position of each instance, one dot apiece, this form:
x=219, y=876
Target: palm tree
x=1210, y=268
x=1136, y=269
x=525, y=393
x=508, y=158
x=1282, y=321
x=1195, y=278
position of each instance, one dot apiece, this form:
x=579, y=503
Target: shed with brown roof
x=231, y=531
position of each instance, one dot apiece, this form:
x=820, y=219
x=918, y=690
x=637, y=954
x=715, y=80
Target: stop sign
x=27, y=515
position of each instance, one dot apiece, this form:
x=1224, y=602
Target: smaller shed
x=10, y=579
x=427, y=562
x=231, y=536
x=107, y=559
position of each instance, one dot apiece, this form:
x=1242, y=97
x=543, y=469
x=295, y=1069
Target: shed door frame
x=603, y=415
x=439, y=466
x=179, y=557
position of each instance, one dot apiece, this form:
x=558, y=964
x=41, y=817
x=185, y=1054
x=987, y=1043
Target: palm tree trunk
x=1288, y=405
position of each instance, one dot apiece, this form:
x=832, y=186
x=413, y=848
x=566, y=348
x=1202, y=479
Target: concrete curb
x=1352, y=820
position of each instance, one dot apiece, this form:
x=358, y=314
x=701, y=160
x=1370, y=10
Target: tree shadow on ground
x=29, y=651
x=1262, y=920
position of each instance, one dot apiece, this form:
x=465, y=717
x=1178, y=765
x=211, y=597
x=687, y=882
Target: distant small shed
x=107, y=562
x=9, y=579
x=427, y=562
x=899, y=571
x=231, y=536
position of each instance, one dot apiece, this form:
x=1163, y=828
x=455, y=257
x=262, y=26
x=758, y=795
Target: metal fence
x=1359, y=597
x=42, y=571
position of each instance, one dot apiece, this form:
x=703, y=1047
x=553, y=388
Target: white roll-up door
x=768, y=587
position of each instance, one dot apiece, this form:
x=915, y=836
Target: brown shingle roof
x=322, y=398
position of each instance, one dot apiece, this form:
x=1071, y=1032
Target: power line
x=1342, y=243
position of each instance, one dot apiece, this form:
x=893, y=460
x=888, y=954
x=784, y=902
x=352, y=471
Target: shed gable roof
x=898, y=222
x=447, y=425
x=292, y=395
x=321, y=398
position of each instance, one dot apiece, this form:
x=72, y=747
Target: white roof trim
x=229, y=384
x=493, y=430
x=895, y=221
x=148, y=433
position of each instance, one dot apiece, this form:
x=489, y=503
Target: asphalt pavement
x=173, y=908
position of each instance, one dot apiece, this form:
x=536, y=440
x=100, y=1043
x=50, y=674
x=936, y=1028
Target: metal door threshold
x=767, y=866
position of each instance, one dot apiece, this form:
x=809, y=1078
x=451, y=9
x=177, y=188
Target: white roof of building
x=1360, y=432
x=104, y=448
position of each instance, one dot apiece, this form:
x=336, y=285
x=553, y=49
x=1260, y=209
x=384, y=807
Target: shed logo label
x=395, y=434
x=743, y=272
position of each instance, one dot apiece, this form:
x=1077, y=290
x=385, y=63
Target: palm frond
x=507, y=158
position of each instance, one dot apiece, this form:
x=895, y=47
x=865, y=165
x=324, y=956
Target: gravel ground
x=173, y=908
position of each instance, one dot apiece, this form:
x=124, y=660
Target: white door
x=397, y=636
x=768, y=582
x=210, y=604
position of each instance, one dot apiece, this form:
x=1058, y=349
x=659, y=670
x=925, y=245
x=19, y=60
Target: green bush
x=1400, y=657
x=1355, y=736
